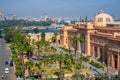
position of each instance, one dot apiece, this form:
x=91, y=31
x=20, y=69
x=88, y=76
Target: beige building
x=36, y=37
x=102, y=31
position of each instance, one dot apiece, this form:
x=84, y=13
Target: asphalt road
x=5, y=56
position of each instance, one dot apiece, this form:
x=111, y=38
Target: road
x=5, y=56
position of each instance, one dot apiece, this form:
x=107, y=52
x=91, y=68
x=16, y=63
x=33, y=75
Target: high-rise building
x=1, y=15
x=11, y=17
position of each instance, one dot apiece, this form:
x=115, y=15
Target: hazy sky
x=66, y=8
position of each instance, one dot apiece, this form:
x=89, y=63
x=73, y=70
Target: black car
x=6, y=62
x=2, y=77
x=11, y=64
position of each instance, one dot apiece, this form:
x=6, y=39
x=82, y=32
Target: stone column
x=87, y=44
x=109, y=58
x=78, y=46
x=112, y=60
x=98, y=52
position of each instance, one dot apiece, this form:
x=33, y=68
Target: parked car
x=6, y=70
x=2, y=76
x=11, y=63
x=6, y=62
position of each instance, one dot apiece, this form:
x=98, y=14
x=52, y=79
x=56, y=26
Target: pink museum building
x=102, y=31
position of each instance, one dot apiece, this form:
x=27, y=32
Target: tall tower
x=1, y=15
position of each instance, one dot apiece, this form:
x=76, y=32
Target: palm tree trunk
x=60, y=66
x=23, y=70
x=75, y=49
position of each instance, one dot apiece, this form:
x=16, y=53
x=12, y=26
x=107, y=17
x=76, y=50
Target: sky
x=60, y=8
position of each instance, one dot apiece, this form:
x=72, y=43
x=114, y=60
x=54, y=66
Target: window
x=100, y=19
x=100, y=41
x=108, y=20
x=107, y=42
x=95, y=51
x=95, y=39
x=115, y=46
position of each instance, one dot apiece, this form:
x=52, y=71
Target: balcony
x=97, y=43
x=114, y=50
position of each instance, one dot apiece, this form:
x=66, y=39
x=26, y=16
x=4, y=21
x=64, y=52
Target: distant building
x=36, y=37
x=11, y=17
x=1, y=15
x=97, y=34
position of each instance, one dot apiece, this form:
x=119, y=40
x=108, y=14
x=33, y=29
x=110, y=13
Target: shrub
x=67, y=50
x=85, y=58
x=18, y=72
x=18, y=67
x=98, y=65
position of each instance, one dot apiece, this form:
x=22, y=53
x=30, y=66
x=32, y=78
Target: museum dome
x=101, y=19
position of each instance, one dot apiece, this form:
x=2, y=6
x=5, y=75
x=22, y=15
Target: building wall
x=102, y=36
x=37, y=37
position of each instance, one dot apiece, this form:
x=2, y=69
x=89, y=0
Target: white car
x=6, y=70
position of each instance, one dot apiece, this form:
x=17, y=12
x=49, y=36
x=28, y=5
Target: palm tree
x=75, y=39
x=81, y=38
x=63, y=60
x=60, y=60
x=28, y=66
x=55, y=35
x=39, y=44
x=43, y=36
x=69, y=44
x=29, y=48
x=21, y=49
x=106, y=46
x=36, y=30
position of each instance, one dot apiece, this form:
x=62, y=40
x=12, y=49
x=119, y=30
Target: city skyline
x=57, y=8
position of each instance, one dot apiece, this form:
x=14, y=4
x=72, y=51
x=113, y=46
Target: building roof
x=101, y=19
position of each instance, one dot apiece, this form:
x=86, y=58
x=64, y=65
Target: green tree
x=39, y=48
x=81, y=38
x=55, y=37
x=43, y=36
x=106, y=46
x=69, y=44
x=36, y=30
x=75, y=39
x=28, y=66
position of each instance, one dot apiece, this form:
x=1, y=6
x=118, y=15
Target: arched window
x=100, y=19
x=108, y=20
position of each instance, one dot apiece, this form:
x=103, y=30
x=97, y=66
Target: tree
x=28, y=66
x=65, y=60
x=81, y=38
x=75, y=39
x=36, y=30
x=106, y=46
x=43, y=36
x=55, y=35
x=39, y=45
x=69, y=44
